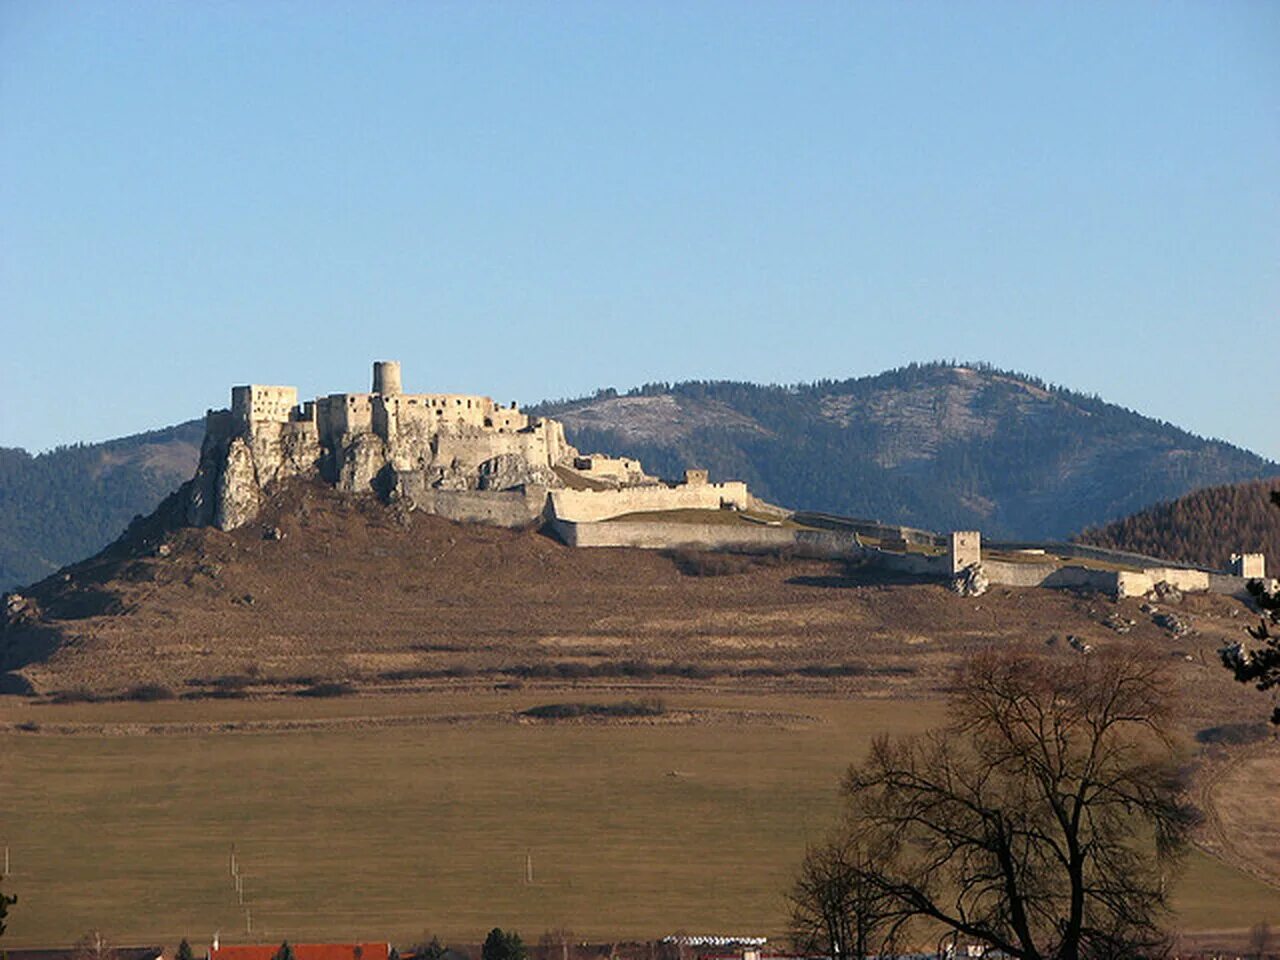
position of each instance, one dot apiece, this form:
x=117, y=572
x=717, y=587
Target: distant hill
x=932, y=445
x=68, y=503
x=1204, y=527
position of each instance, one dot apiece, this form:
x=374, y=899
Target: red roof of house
x=302, y=951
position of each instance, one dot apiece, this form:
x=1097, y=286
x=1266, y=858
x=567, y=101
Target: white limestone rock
x=972, y=581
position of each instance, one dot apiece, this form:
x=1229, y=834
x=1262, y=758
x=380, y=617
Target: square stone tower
x=964, y=548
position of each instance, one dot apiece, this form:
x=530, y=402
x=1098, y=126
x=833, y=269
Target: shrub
x=333, y=688
x=569, y=711
x=148, y=693
x=76, y=695
x=700, y=563
x=233, y=681
x=412, y=673
x=1234, y=734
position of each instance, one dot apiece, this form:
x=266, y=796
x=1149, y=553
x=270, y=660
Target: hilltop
x=1201, y=527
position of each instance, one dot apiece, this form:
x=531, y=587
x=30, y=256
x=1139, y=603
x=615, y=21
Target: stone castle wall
x=592, y=505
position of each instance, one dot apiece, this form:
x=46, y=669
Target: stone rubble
x=971, y=581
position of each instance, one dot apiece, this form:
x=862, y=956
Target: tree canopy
x=503, y=946
x=5, y=903
x=1042, y=821
x=1260, y=665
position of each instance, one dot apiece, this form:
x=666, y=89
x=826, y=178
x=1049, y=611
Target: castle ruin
x=467, y=458
x=385, y=441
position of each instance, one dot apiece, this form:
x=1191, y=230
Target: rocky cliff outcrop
x=239, y=463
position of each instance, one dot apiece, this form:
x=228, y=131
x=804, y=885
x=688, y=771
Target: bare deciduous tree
x=835, y=911
x=93, y=946
x=1043, y=819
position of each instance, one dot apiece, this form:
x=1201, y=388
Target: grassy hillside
x=68, y=503
x=933, y=445
x=1204, y=527
x=413, y=600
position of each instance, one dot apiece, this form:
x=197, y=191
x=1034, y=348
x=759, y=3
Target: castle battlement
x=386, y=411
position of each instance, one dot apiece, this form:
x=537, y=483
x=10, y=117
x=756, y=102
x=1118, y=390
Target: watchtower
x=386, y=377
x=964, y=548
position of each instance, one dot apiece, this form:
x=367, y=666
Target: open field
x=383, y=831
x=414, y=804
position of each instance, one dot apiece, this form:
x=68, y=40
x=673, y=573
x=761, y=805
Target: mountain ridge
x=938, y=445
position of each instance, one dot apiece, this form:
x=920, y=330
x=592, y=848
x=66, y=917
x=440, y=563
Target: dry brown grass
x=409, y=806
x=352, y=594
x=413, y=812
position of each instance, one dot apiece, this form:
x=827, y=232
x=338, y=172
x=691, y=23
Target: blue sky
x=536, y=200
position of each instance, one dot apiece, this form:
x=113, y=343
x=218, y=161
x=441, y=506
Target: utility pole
x=528, y=867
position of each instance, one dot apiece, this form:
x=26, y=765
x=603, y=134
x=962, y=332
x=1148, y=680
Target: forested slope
x=1203, y=527
x=63, y=505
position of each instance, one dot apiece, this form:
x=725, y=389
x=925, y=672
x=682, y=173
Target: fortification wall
x=471, y=446
x=589, y=505
x=658, y=535
x=915, y=564
x=661, y=535
x=508, y=508
x=600, y=466
x=1081, y=551
x=1131, y=583
x=1007, y=573
x=1121, y=583
x=1233, y=586
x=871, y=528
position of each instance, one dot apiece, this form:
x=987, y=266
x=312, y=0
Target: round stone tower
x=386, y=377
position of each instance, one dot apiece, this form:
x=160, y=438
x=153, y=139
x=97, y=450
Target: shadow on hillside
x=84, y=602
x=23, y=645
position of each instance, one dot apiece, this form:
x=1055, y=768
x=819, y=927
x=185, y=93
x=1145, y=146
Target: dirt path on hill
x=1241, y=803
